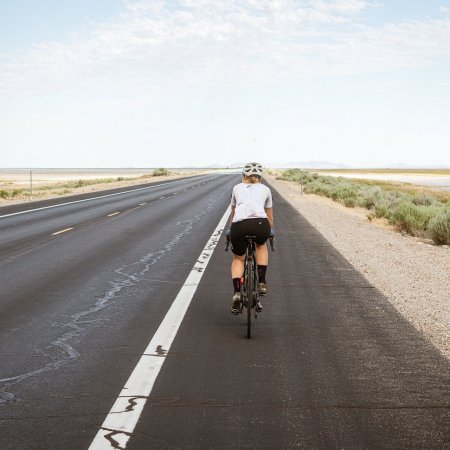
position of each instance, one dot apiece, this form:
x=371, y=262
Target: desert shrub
x=344, y=192
x=160, y=172
x=368, y=196
x=16, y=192
x=318, y=188
x=439, y=227
x=412, y=211
x=382, y=210
x=77, y=184
x=367, y=202
x=297, y=175
x=412, y=219
x=4, y=193
x=423, y=199
x=350, y=202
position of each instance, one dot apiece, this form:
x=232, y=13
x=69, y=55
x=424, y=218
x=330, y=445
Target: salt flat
x=430, y=180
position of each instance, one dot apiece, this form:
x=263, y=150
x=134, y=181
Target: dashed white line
x=62, y=231
x=160, y=198
x=114, y=214
x=124, y=415
x=142, y=204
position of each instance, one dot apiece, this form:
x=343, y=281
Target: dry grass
x=17, y=190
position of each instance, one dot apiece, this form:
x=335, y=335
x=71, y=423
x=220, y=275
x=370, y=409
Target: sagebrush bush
x=412, y=211
x=16, y=192
x=344, y=192
x=423, y=199
x=160, y=172
x=4, y=193
x=439, y=227
x=412, y=219
x=350, y=202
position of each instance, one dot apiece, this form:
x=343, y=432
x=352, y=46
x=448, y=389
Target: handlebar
x=227, y=243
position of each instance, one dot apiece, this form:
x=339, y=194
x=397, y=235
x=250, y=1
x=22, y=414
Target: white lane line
x=89, y=199
x=62, y=231
x=114, y=214
x=124, y=415
x=160, y=198
x=142, y=204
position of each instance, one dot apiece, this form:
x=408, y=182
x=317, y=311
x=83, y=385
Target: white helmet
x=252, y=168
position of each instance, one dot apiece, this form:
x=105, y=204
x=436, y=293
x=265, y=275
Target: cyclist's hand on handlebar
x=271, y=237
x=227, y=239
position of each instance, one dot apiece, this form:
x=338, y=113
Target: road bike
x=249, y=281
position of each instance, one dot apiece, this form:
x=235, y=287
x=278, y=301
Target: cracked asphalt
x=331, y=364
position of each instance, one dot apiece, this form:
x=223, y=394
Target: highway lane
x=331, y=363
x=77, y=309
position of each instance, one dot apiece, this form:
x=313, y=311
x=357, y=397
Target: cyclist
x=251, y=214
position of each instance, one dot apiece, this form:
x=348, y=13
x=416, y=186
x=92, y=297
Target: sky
x=177, y=83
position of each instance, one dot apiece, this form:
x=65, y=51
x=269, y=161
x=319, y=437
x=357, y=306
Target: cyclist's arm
x=269, y=212
x=232, y=214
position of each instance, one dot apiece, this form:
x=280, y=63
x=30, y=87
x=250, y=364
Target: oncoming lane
x=77, y=310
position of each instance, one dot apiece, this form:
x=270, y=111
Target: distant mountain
x=333, y=165
x=286, y=165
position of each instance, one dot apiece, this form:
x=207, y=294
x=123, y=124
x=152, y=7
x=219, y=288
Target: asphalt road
x=330, y=364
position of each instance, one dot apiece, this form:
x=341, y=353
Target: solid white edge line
x=124, y=415
x=61, y=231
x=89, y=199
x=114, y=214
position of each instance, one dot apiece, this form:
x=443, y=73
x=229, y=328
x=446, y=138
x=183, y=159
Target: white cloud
x=234, y=42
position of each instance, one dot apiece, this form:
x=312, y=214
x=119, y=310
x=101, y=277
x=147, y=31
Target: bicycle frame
x=249, y=291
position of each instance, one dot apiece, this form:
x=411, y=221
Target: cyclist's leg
x=238, y=247
x=237, y=270
x=262, y=255
x=237, y=266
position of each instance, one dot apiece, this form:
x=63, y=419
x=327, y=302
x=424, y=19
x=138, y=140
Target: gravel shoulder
x=413, y=274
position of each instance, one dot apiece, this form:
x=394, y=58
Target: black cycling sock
x=262, y=273
x=237, y=284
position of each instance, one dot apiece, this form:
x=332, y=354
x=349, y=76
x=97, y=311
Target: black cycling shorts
x=260, y=228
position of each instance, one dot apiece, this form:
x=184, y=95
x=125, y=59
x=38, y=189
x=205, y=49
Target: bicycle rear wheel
x=250, y=288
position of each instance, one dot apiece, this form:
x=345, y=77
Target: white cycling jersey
x=250, y=201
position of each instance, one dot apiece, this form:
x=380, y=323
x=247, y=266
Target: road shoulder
x=412, y=274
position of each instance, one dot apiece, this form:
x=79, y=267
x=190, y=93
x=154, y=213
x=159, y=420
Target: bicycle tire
x=249, y=287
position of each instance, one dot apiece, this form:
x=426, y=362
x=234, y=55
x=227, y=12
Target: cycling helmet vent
x=252, y=168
